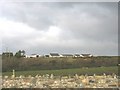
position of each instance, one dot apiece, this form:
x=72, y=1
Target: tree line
x=18, y=54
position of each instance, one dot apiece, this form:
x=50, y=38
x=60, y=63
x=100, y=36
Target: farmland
x=60, y=72
x=80, y=71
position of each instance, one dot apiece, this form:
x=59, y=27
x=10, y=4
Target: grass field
x=80, y=71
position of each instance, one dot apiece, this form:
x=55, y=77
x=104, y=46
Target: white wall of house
x=76, y=56
x=32, y=56
x=90, y=55
x=61, y=55
x=86, y=56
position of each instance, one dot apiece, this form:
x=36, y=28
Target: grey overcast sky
x=63, y=27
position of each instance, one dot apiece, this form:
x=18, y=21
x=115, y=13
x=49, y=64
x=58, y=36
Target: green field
x=80, y=71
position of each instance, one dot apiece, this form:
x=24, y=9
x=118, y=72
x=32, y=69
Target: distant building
x=54, y=55
x=46, y=55
x=86, y=55
x=32, y=56
x=76, y=55
x=58, y=55
x=66, y=55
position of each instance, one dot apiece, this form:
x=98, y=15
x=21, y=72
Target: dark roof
x=67, y=54
x=54, y=54
x=85, y=54
x=77, y=54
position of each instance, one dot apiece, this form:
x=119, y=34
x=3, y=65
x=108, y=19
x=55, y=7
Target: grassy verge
x=89, y=71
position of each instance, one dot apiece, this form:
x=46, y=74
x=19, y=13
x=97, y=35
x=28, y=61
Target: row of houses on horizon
x=53, y=54
x=58, y=55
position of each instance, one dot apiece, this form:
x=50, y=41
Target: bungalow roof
x=77, y=54
x=54, y=54
x=85, y=54
x=67, y=54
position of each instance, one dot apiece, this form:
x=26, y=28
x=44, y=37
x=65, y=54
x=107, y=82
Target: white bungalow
x=54, y=55
x=76, y=55
x=86, y=55
x=32, y=56
x=66, y=55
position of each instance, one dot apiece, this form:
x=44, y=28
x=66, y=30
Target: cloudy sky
x=63, y=27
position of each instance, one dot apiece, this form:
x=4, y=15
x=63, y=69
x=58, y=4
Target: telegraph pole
x=8, y=51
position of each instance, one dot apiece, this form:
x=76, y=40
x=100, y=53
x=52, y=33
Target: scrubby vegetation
x=43, y=63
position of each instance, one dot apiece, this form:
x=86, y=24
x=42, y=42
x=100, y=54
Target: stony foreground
x=51, y=81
